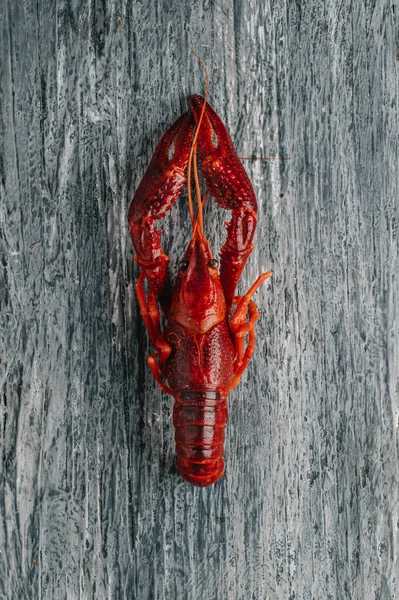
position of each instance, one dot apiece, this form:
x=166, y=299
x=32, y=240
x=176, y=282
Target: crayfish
x=202, y=352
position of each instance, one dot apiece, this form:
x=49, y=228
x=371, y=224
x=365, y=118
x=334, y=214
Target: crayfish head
x=198, y=301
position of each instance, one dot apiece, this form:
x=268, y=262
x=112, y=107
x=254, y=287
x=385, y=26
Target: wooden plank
x=91, y=506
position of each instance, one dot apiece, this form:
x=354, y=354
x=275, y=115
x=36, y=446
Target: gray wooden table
x=91, y=506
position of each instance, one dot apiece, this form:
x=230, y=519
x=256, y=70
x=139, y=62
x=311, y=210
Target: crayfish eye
x=213, y=263
x=184, y=265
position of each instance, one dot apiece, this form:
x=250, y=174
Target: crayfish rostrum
x=202, y=351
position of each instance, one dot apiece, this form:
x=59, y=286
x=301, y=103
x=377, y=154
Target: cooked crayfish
x=201, y=353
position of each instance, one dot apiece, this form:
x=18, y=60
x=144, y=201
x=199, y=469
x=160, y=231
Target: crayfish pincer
x=202, y=351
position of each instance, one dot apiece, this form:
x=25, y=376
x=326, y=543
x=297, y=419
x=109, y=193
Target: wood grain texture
x=91, y=506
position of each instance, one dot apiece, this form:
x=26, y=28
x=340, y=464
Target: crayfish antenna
x=268, y=157
x=197, y=224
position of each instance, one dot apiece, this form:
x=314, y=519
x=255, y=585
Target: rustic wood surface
x=91, y=506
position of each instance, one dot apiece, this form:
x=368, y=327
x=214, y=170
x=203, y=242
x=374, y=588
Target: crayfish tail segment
x=228, y=182
x=159, y=189
x=200, y=475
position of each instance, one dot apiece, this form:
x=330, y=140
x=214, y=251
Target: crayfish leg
x=153, y=364
x=240, y=327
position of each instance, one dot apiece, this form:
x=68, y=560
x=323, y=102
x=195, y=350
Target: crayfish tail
x=200, y=420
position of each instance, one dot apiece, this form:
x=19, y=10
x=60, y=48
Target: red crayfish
x=201, y=353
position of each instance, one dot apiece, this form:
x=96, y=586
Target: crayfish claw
x=165, y=176
x=229, y=184
x=159, y=189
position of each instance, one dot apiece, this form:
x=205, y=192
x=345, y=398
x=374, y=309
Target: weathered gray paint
x=91, y=506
